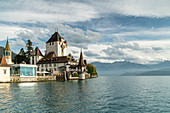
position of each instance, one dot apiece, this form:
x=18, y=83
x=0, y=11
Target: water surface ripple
x=104, y=94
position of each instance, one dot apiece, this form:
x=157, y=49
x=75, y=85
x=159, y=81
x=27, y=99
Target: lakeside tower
x=81, y=67
x=8, y=53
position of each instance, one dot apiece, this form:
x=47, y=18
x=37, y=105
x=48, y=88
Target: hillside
x=2, y=52
x=132, y=69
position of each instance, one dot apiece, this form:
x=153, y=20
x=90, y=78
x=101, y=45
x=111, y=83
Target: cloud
x=91, y=25
x=145, y=32
x=157, y=49
x=74, y=52
x=76, y=36
x=91, y=54
x=8, y=31
x=45, y=11
x=135, y=52
x=146, y=8
x=13, y=43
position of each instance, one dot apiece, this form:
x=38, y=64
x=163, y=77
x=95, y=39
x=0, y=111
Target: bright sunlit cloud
x=107, y=30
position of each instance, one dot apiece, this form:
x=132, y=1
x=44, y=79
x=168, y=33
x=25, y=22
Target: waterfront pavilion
x=23, y=70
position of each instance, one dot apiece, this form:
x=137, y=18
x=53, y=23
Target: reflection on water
x=5, y=95
x=26, y=84
x=103, y=94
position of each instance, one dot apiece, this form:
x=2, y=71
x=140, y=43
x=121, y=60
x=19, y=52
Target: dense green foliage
x=75, y=75
x=91, y=69
x=29, y=48
x=19, y=58
x=22, y=52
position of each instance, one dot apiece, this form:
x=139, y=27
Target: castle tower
x=81, y=62
x=8, y=53
x=57, y=45
x=81, y=67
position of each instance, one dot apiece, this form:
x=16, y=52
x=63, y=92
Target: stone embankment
x=62, y=76
x=32, y=79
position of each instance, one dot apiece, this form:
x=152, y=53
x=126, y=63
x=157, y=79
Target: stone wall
x=60, y=75
x=56, y=77
x=32, y=79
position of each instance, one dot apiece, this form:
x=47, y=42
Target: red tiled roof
x=81, y=61
x=4, y=63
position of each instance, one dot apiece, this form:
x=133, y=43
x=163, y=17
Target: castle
x=56, y=59
x=54, y=62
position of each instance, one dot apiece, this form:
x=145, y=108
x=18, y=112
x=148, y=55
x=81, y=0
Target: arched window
x=8, y=53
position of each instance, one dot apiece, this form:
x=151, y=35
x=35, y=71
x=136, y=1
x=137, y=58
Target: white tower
x=57, y=45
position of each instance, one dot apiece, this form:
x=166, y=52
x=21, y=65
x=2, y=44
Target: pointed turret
x=38, y=52
x=8, y=53
x=81, y=61
x=4, y=63
x=7, y=48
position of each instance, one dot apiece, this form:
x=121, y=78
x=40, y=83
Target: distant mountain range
x=126, y=68
x=2, y=52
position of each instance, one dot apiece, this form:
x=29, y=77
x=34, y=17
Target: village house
x=4, y=71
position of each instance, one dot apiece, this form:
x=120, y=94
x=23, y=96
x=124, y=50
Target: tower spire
x=56, y=29
x=7, y=48
x=81, y=60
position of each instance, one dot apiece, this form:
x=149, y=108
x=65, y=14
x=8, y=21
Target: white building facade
x=36, y=56
x=56, y=57
x=4, y=71
x=57, y=45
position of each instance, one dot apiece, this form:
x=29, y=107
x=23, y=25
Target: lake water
x=104, y=94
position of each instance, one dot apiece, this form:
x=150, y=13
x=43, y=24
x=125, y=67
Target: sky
x=108, y=30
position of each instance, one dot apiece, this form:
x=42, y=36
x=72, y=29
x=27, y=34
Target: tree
x=29, y=48
x=19, y=58
x=75, y=74
x=70, y=55
x=22, y=52
x=91, y=69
